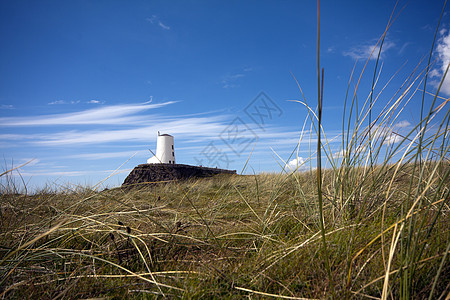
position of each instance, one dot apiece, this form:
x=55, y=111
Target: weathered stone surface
x=154, y=173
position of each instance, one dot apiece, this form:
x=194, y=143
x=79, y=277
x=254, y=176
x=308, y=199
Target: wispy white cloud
x=392, y=138
x=402, y=49
x=391, y=134
x=114, y=115
x=64, y=173
x=30, y=161
x=365, y=50
x=53, y=173
x=151, y=19
x=182, y=128
x=154, y=19
x=427, y=27
x=163, y=26
x=59, y=102
x=231, y=80
x=6, y=106
x=95, y=102
x=402, y=124
x=443, y=52
x=132, y=127
x=14, y=137
x=107, y=155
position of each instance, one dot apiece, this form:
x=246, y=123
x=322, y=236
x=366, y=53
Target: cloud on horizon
x=296, y=164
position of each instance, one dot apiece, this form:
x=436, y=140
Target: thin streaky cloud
x=163, y=26
x=363, y=52
x=427, y=27
x=402, y=124
x=221, y=111
x=151, y=19
x=115, y=114
x=68, y=173
x=402, y=49
x=236, y=76
x=154, y=19
x=54, y=173
x=187, y=128
x=60, y=102
x=231, y=81
x=107, y=155
x=95, y=102
x=57, y=102
x=14, y=136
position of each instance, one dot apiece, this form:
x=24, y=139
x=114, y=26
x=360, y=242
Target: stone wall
x=154, y=173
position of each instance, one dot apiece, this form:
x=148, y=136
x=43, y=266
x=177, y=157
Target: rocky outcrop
x=154, y=173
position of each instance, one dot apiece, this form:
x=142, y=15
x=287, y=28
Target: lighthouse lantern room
x=165, y=152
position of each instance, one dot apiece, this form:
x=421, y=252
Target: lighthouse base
x=146, y=174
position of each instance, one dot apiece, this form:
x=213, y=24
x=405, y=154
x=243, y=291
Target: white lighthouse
x=165, y=152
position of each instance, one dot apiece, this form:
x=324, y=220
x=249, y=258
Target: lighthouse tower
x=165, y=152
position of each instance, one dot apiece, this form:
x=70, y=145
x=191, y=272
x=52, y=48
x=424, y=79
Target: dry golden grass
x=219, y=237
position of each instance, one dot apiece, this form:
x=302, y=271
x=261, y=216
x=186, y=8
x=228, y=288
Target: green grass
x=374, y=224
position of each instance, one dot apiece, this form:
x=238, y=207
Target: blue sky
x=86, y=85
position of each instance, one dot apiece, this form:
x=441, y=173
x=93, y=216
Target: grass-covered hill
x=385, y=231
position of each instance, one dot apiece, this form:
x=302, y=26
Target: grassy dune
x=233, y=236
